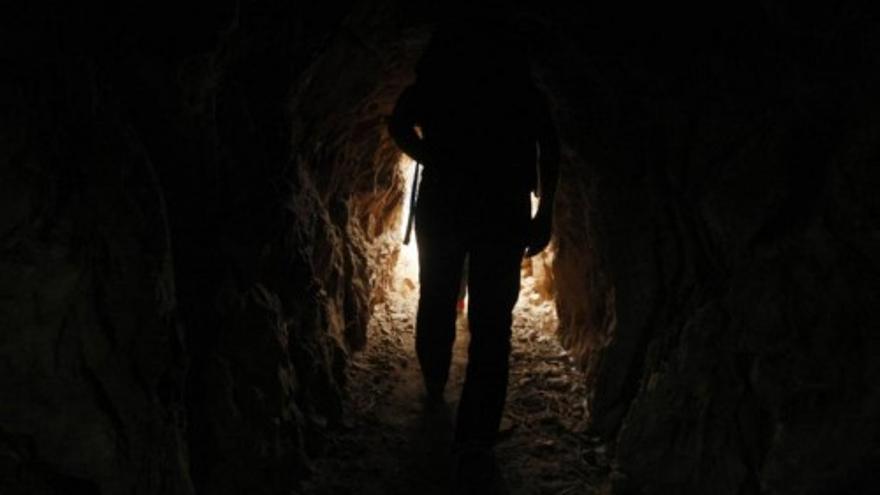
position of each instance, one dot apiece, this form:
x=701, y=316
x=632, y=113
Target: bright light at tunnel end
x=407, y=268
x=536, y=278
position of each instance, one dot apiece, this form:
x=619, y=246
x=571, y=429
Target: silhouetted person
x=486, y=140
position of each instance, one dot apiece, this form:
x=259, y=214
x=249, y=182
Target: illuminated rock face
x=194, y=204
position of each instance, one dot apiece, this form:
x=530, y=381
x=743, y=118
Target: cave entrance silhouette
x=537, y=289
x=406, y=267
x=543, y=442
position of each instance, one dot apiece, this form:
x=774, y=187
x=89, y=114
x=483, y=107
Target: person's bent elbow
x=402, y=124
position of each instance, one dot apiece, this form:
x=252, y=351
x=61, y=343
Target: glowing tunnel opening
x=537, y=288
x=406, y=270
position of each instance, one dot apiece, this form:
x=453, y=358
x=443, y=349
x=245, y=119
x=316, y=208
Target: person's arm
x=548, y=175
x=402, y=125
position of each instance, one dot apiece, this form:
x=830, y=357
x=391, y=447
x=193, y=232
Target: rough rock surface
x=717, y=207
x=392, y=443
x=91, y=352
x=179, y=293
x=193, y=201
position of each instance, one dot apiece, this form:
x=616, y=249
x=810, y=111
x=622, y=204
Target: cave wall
x=92, y=360
x=716, y=180
x=188, y=209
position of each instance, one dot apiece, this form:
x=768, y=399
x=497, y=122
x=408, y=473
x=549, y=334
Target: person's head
x=476, y=41
x=477, y=10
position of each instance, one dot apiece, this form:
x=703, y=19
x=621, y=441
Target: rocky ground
x=391, y=445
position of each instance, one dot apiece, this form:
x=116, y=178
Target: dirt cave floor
x=391, y=444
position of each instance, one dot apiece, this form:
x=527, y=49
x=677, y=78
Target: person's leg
x=493, y=287
x=441, y=256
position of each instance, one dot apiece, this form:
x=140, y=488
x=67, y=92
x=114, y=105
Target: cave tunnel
x=200, y=278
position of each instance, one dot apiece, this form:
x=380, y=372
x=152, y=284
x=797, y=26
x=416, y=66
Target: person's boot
x=476, y=471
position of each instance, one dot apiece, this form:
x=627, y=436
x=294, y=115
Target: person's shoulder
x=537, y=94
x=409, y=95
x=416, y=90
x=537, y=99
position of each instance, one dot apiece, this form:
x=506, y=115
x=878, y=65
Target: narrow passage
x=392, y=445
